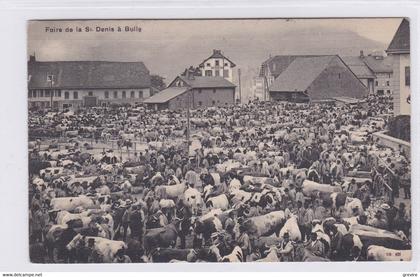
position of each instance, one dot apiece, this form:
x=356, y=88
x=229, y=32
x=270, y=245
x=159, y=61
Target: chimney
x=216, y=51
x=189, y=74
x=32, y=58
x=361, y=54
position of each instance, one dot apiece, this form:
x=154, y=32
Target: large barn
x=73, y=84
x=315, y=78
x=194, y=92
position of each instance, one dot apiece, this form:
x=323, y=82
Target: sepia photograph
x=219, y=140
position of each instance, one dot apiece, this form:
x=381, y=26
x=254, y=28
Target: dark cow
x=165, y=255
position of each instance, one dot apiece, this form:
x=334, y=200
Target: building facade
x=68, y=84
x=399, y=51
x=194, y=92
x=361, y=70
x=217, y=65
x=381, y=66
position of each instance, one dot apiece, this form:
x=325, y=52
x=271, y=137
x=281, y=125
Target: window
x=217, y=73
x=115, y=94
x=75, y=95
x=407, y=76
x=208, y=73
x=213, y=102
x=226, y=73
x=140, y=94
x=58, y=93
x=200, y=103
x=124, y=94
x=41, y=93
x=339, y=75
x=376, y=83
x=47, y=93
x=388, y=91
x=106, y=94
x=199, y=91
x=217, y=63
x=387, y=83
x=226, y=64
x=214, y=90
x=208, y=64
x=90, y=93
x=132, y=94
x=66, y=95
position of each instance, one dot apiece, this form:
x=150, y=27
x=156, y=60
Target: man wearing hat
x=314, y=245
x=286, y=249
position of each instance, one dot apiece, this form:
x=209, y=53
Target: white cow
x=383, y=254
x=63, y=217
x=292, y=228
x=310, y=187
x=71, y=203
x=218, y=202
x=193, y=199
x=271, y=256
x=105, y=247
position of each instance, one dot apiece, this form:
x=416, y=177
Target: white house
x=399, y=51
x=217, y=65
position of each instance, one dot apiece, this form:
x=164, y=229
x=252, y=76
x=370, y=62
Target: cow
x=207, y=226
x=383, y=254
x=265, y=225
x=310, y=187
x=105, y=247
x=170, y=192
x=235, y=257
x=71, y=203
x=218, y=202
x=374, y=236
x=165, y=255
x=271, y=256
x=192, y=199
x=63, y=217
x=165, y=236
x=292, y=228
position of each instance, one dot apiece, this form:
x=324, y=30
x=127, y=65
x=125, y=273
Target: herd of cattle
x=241, y=193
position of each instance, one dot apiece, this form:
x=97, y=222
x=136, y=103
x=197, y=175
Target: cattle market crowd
x=257, y=182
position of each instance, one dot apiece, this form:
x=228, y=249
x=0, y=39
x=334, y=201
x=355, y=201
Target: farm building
x=314, y=78
x=195, y=92
x=73, y=84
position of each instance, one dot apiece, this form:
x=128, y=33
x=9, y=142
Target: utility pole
x=188, y=124
x=240, y=88
x=50, y=79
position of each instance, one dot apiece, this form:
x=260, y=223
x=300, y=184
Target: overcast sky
x=169, y=46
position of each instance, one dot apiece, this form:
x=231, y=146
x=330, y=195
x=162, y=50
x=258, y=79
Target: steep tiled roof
x=278, y=64
x=88, y=74
x=208, y=82
x=401, y=41
x=359, y=67
x=300, y=73
x=166, y=95
x=379, y=64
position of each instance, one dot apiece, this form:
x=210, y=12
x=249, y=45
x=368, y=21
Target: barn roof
x=300, y=74
x=166, y=95
x=207, y=82
x=88, y=74
x=359, y=67
x=401, y=41
x=279, y=63
x=379, y=64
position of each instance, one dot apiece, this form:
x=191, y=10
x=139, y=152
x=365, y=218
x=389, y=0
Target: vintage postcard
x=236, y=140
